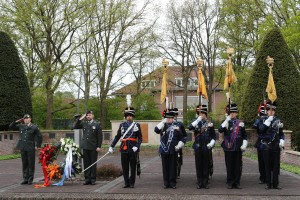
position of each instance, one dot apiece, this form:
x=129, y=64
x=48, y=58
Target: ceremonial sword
x=95, y=162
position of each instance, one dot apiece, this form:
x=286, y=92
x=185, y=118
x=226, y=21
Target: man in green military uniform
x=90, y=143
x=30, y=139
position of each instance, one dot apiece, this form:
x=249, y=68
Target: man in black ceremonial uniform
x=30, y=139
x=235, y=142
x=273, y=142
x=131, y=138
x=258, y=144
x=205, y=138
x=171, y=140
x=179, y=153
x=91, y=142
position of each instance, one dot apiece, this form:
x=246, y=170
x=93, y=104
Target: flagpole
x=229, y=52
x=164, y=88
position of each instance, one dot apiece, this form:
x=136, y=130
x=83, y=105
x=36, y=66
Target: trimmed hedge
x=15, y=95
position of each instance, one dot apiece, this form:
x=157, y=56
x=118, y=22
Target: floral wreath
x=54, y=171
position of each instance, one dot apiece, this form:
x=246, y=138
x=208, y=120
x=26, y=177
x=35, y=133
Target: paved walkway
x=150, y=184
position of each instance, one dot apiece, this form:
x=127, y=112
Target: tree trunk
x=50, y=95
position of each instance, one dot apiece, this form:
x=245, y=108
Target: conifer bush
x=287, y=83
x=15, y=98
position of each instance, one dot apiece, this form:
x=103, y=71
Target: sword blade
x=95, y=162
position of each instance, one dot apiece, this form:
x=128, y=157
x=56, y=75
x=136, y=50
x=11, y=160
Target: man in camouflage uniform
x=91, y=142
x=30, y=139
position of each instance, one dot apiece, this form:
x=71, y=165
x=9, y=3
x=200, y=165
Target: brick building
x=151, y=83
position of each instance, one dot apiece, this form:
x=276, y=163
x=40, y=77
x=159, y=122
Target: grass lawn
x=10, y=156
x=287, y=167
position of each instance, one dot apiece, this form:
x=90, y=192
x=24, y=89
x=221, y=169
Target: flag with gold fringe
x=201, y=90
x=230, y=75
x=271, y=90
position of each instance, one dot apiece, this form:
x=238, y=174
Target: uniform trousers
x=169, y=169
x=28, y=165
x=129, y=160
x=261, y=165
x=202, y=161
x=89, y=157
x=272, y=167
x=233, y=160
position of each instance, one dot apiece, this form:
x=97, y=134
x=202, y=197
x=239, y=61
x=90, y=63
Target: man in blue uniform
x=171, y=140
x=235, y=141
x=90, y=143
x=205, y=137
x=131, y=138
x=180, y=154
x=273, y=142
x=258, y=144
x=30, y=139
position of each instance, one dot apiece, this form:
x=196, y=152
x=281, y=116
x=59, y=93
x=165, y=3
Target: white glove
x=225, y=123
x=269, y=120
x=244, y=145
x=161, y=124
x=281, y=143
x=241, y=124
x=196, y=122
x=134, y=149
x=210, y=124
x=280, y=125
x=179, y=146
x=211, y=144
x=111, y=150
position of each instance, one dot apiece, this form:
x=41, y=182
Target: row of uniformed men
x=173, y=136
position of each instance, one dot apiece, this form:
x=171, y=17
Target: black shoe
x=131, y=186
x=267, y=187
x=166, y=187
x=229, y=187
x=174, y=187
x=261, y=182
x=126, y=186
x=24, y=182
x=93, y=183
x=29, y=183
x=206, y=187
x=198, y=186
x=237, y=187
x=86, y=183
x=277, y=188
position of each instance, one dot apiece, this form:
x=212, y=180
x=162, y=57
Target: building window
x=148, y=84
x=178, y=82
x=11, y=137
x=192, y=101
x=0, y=137
x=193, y=82
x=5, y=137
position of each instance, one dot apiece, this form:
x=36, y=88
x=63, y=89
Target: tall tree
x=118, y=27
x=51, y=27
x=15, y=95
x=286, y=77
x=239, y=28
x=192, y=32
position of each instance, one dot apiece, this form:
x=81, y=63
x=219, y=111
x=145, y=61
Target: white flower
x=62, y=140
x=77, y=145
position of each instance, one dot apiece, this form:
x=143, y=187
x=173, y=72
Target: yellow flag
x=230, y=75
x=201, y=90
x=271, y=90
x=164, y=84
